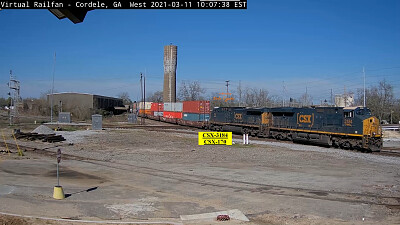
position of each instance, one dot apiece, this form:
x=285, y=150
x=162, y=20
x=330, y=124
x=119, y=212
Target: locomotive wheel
x=330, y=142
x=346, y=145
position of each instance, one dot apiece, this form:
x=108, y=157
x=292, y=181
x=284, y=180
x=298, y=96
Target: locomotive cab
x=362, y=122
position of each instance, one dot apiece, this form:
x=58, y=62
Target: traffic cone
x=58, y=193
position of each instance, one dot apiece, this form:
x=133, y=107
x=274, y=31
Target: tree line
x=380, y=99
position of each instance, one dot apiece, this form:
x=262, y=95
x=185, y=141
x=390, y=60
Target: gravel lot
x=142, y=175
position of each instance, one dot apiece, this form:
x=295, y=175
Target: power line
x=364, y=87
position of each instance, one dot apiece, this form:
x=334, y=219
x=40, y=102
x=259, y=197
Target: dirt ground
x=136, y=175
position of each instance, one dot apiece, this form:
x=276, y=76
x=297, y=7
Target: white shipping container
x=145, y=106
x=178, y=107
x=173, y=106
x=167, y=106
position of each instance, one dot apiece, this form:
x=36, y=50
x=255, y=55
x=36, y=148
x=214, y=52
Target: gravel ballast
x=42, y=129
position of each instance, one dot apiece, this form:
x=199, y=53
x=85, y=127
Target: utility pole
x=227, y=87
x=345, y=96
x=283, y=93
x=365, y=103
x=332, y=98
x=240, y=93
x=141, y=104
x=52, y=90
x=14, y=86
x=306, y=101
x=144, y=96
x=227, y=91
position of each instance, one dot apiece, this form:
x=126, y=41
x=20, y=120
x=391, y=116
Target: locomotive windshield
x=363, y=111
x=356, y=111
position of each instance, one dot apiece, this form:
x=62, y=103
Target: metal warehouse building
x=83, y=105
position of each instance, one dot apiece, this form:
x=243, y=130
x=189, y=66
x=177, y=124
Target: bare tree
x=262, y=97
x=156, y=97
x=256, y=97
x=125, y=98
x=395, y=113
x=275, y=101
x=359, y=99
x=380, y=100
x=240, y=93
x=305, y=99
x=190, y=91
x=43, y=95
x=44, y=102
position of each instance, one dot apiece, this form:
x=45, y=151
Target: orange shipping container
x=175, y=115
x=144, y=111
x=157, y=107
x=202, y=107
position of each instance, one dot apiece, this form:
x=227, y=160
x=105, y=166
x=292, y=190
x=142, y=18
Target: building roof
x=76, y=93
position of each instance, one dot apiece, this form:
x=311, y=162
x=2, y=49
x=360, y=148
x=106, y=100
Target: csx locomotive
x=348, y=128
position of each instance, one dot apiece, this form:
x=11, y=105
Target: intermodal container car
x=196, y=107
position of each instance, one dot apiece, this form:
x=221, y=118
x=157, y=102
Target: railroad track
x=236, y=185
x=125, y=126
x=393, y=153
x=387, y=151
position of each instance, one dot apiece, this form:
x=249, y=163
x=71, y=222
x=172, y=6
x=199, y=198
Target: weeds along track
x=235, y=185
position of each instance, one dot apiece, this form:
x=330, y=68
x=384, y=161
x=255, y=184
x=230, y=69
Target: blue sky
x=320, y=45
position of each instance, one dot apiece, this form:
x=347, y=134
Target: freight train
x=347, y=128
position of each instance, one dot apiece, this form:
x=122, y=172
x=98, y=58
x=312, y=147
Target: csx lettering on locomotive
x=238, y=116
x=305, y=119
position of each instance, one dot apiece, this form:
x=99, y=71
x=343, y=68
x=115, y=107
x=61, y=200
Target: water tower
x=170, y=63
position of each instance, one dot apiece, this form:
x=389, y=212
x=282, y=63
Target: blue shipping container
x=195, y=117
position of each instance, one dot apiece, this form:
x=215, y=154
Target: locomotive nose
x=371, y=127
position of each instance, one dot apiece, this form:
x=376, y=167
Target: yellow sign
x=215, y=138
